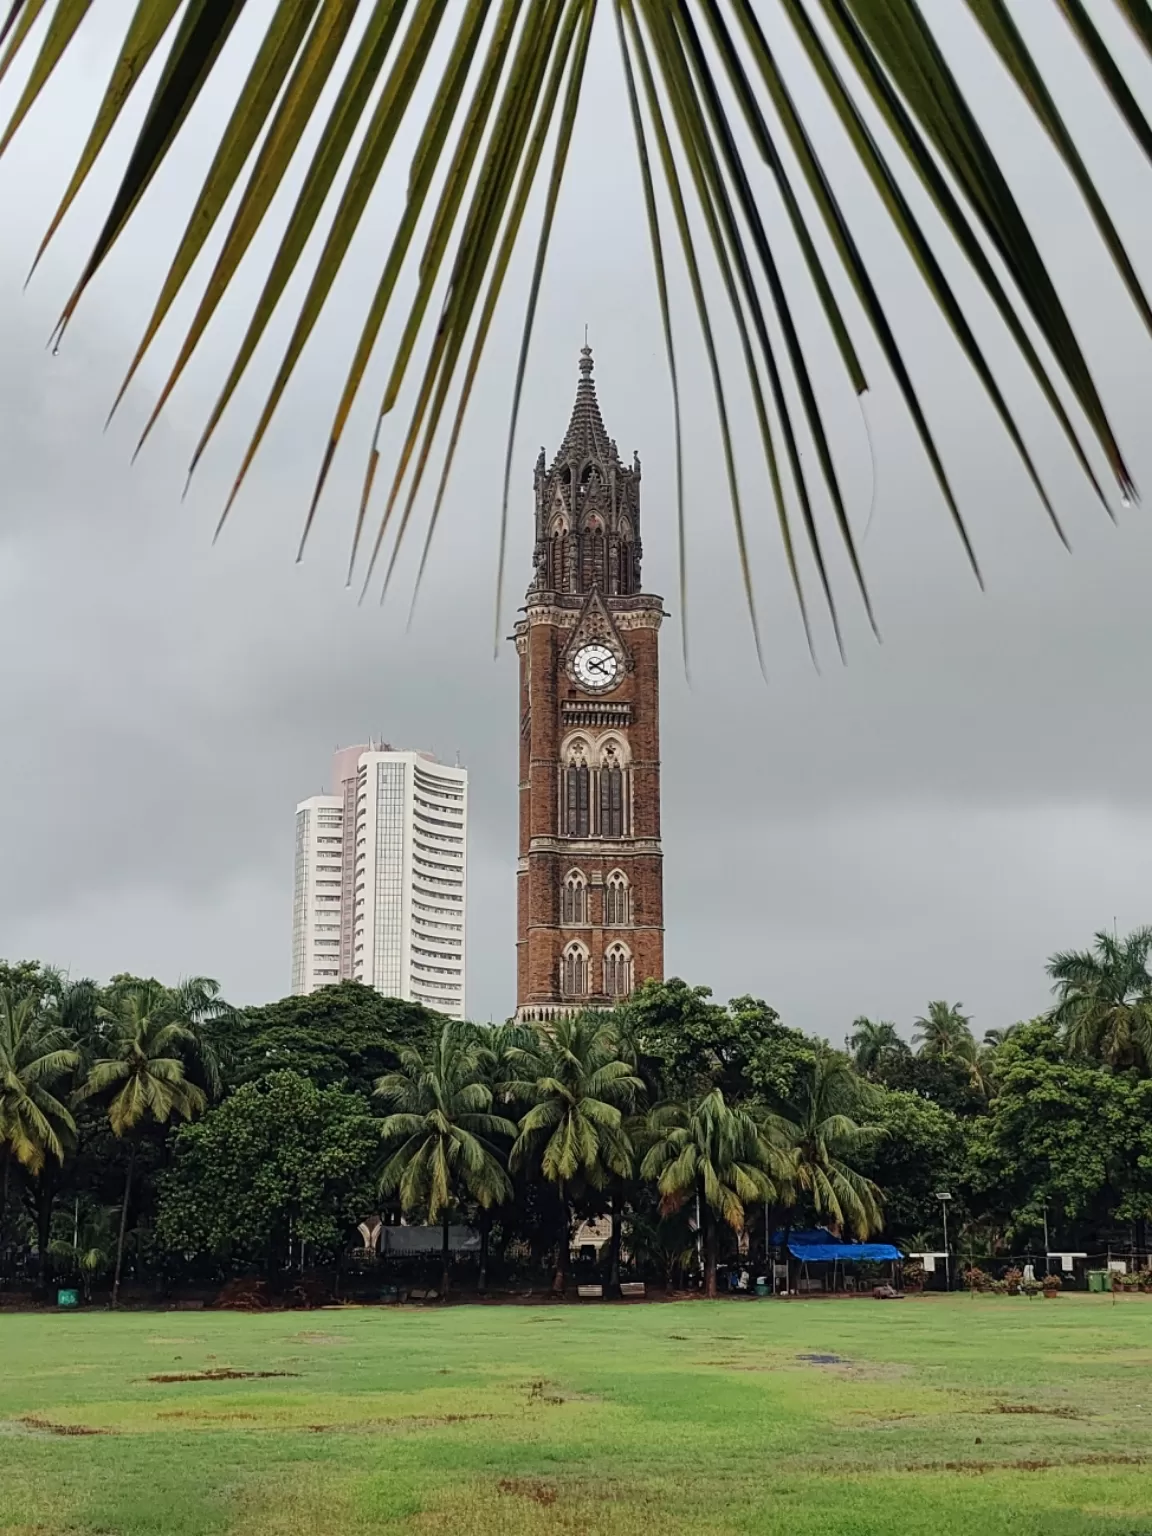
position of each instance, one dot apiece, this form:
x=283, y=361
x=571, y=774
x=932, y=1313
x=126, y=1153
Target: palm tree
x=820, y=1131
x=872, y=1039
x=944, y=1032
x=142, y=1073
x=579, y=1088
x=36, y=1053
x=443, y=1123
x=718, y=1153
x=1104, y=998
x=503, y=77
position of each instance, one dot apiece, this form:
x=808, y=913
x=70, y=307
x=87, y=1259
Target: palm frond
x=482, y=88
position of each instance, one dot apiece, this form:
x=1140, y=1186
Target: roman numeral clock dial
x=595, y=667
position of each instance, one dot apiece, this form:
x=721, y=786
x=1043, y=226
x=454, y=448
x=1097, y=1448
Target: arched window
x=624, y=565
x=595, y=555
x=618, y=970
x=574, y=900
x=558, y=556
x=611, y=793
x=617, y=901
x=577, y=796
x=574, y=971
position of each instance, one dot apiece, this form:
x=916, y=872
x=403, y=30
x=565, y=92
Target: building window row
x=574, y=900
x=576, y=971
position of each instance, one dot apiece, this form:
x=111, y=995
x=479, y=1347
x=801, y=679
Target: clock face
x=595, y=666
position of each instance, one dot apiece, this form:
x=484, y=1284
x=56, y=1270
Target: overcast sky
x=931, y=820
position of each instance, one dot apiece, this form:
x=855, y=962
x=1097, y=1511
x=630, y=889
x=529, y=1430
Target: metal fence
x=1128, y=1268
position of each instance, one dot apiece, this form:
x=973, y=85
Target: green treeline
x=154, y=1131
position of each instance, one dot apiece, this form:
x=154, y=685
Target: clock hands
x=600, y=666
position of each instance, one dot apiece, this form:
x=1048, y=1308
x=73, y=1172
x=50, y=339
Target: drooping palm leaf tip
x=733, y=186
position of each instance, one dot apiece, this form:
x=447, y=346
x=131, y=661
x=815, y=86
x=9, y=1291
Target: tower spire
x=586, y=439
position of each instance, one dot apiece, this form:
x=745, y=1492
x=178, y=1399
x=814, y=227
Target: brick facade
x=589, y=734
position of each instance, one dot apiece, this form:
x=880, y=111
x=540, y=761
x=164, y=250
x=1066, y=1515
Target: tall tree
x=944, y=1033
x=345, y=1035
x=443, y=1131
x=871, y=1040
x=579, y=1086
x=825, y=1141
x=142, y=1073
x=279, y=1163
x=715, y=1152
x=36, y=1053
x=1104, y=998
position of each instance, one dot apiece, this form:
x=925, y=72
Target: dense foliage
x=154, y=1127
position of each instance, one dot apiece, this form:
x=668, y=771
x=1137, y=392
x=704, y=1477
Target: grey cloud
x=932, y=819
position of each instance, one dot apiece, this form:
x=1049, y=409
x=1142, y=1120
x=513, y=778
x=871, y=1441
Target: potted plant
x=976, y=1280
x=1051, y=1284
x=1000, y=1288
x=1012, y=1280
x=914, y=1275
x=1030, y=1288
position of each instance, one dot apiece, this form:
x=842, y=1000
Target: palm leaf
x=708, y=90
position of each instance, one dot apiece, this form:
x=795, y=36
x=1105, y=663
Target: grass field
x=936, y=1416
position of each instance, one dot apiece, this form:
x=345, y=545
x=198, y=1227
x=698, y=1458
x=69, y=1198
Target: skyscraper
x=381, y=878
x=590, y=882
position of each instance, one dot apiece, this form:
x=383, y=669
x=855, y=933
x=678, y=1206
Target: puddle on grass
x=824, y=1359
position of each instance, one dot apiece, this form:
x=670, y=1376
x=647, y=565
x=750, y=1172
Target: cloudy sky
x=930, y=820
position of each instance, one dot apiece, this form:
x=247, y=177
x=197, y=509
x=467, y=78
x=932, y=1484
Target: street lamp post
x=944, y=1195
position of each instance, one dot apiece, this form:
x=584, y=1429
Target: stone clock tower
x=589, y=881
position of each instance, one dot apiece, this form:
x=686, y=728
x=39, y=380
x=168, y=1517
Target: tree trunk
x=614, y=1246
x=444, y=1260
x=6, y=1156
x=560, y=1279
x=710, y=1235
x=44, y=1199
x=123, y=1228
x=485, y=1234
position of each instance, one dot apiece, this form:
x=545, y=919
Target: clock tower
x=590, y=900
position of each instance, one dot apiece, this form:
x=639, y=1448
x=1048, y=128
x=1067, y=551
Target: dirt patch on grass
x=220, y=1373
x=50, y=1427
x=204, y=1415
x=387, y=1426
x=528, y=1488
x=1061, y=1411
x=321, y=1338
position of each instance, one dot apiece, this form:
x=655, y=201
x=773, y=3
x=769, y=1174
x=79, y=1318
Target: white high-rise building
x=381, y=878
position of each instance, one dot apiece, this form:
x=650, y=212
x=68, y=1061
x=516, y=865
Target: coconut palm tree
x=579, y=1088
x=822, y=1135
x=443, y=1131
x=719, y=1154
x=489, y=91
x=870, y=1040
x=142, y=1073
x=1104, y=998
x=36, y=1054
x=944, y=1032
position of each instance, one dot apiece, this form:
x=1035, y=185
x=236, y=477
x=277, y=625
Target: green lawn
x=940, y=1416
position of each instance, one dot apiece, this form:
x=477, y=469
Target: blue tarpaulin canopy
x=820, y=1247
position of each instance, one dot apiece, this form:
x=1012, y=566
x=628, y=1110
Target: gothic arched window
x=624, y=566
x=618, y=970
x=574, y=971
x=617, y=901
x=558, y=546
x=611, y=794
x=595, y=555
x=574, y=900
x=577, y=793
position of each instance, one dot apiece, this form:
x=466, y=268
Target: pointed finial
x=586, y=358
